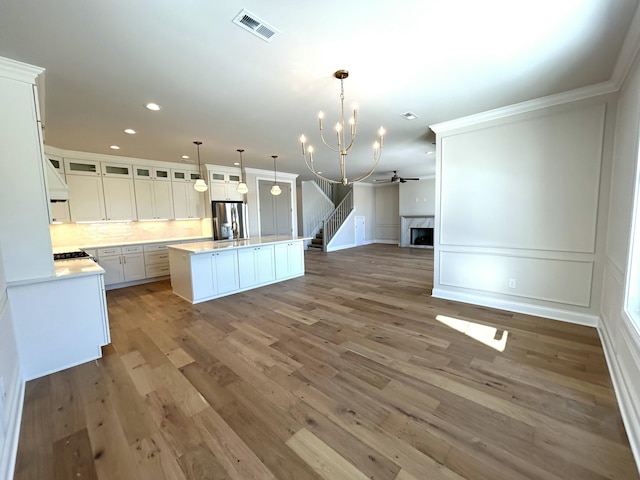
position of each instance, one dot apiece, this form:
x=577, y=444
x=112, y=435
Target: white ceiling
x=226, y=87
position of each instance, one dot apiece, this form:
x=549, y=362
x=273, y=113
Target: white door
x=360, y=230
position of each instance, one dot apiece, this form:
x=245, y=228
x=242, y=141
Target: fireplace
x=416, y=231
x=422, y=236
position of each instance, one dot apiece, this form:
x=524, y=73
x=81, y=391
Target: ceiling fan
x=395, y=179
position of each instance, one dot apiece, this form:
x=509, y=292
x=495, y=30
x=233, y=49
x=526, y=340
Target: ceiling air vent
x=255, y=25
x=409, y=115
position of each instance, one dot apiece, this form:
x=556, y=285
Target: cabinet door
x=225, y=271
x=86, y=201
x=133, y=265
x=202, y=276
x=180, y=199
x=233, y=194
x=218, y=191
x=265, y=271
x=113, y=271
x=196, y=202
x=282, y=260
x=60, y=212
x=295, y=255
x=119, y=198
x=247, y=267
x=82, y=167
x=163, y=199
x=144, y=199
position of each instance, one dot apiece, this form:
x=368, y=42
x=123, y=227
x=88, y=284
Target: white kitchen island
x=203, y=271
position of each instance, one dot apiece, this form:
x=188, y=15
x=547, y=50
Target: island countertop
x=207, y=247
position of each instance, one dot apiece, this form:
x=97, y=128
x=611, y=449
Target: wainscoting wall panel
x=560, y=281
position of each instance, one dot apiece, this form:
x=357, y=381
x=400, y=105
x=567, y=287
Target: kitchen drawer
x=155, y=258
x=156, y=247
x=131, y=249
x=109, y=251
x=157, y=270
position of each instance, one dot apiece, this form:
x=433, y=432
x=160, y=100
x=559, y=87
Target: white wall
x=314, y=206
x=387, y=216
x=620, y=336
x=418, y=198
x=364, y=199
x=522, y=201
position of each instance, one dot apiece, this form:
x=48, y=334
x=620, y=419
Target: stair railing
x=336, y=219
x=326, y=187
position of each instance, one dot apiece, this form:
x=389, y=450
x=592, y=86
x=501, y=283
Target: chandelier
x=342, y=148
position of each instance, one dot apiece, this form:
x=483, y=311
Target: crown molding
x=19, y=71
x=582, y=93
x=628, y=52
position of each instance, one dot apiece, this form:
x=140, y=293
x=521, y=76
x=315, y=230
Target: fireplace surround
x=416, y=231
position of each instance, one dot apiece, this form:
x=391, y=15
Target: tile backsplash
x=95, y=234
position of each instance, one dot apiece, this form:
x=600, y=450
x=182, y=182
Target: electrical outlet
x=512, y=283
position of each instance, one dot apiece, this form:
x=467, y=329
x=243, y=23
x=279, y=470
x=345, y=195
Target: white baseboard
x=341, y=247
x=388, y=242
x=9, y=449
x=628, y=411
x=519, y=307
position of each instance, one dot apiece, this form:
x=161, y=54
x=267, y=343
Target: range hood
x=58, y=190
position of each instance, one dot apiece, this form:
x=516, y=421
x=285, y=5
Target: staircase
x=317, y=242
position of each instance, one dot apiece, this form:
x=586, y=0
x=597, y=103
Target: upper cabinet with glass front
x=73, y=166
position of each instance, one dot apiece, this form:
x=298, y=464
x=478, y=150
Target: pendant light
x=275, y=190
x=200, y=185
x=242, y=186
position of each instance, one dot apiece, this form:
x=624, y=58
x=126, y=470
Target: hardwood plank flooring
x=350, y=372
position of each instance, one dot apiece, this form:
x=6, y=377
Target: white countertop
x=205, y=247
x=74, y=267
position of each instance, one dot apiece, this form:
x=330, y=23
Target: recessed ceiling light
x=185, y=157
x=114, y=147
x=409, y=115
x=429, y=153
x=130, y=131
x=319, y=173
x=153, y=106
x=236, y=163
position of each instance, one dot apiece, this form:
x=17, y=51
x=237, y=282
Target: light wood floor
x=351, y=372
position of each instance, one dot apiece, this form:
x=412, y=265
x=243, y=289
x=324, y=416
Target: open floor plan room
x=352, y=371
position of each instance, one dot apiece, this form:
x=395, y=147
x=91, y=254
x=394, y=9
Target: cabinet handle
x=120, y=260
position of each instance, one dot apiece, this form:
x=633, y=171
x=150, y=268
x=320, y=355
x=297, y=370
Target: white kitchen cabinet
x=225, y=270
x=89, y=168
x=119, y=198
x=223, y=185
x=100, y=191
x=63, y=322
x=289, y=259
x=187, y=202
x=201, y=277
x=154, y=199
x=256, y=265
x=86, y=198
x=202, y=271
x=122, y=264
x=60, y=212
x=156, y=260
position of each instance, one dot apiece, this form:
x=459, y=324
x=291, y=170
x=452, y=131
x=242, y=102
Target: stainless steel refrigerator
x=229, y=220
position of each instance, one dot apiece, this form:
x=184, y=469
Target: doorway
x=276, y=214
